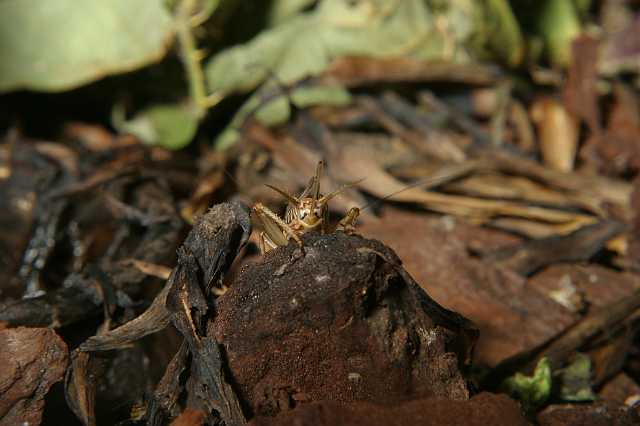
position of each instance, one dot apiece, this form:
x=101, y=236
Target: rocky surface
x=342, y=321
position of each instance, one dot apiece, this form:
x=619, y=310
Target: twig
x=590, y=326
x=499, y=118
x=577, y=246
x=191, y=58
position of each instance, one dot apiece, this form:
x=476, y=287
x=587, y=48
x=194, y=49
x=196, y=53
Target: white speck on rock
x=428, y=337
x=449, y=223
x=280, y=271
x=322, y=278
x=354, y=377
x=565, y=293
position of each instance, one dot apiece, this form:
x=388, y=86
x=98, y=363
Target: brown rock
x=597, y=414
x=343, y=322
x=31, y=360
x=485, y=409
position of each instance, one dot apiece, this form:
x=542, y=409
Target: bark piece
x=597, y=414
x=634, y=238
x=580, y=245
x=341, y=322
x=203, y=260
x=24, y=175
x=190, y=417
x=83, y=293
x=483, y=409
x=360, y=71
x=79, y=298
x=154, y=319
x=32, y=360
x=512, y=317
x=580, y=94
x=608, y=358
x=574, y=285
x=620, y=389
x=186, y=301
x=600, y=321
x=615, y=150
x=80, y=386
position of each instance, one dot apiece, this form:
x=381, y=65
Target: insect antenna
x=315, y=185
x=230, y=176
x=289, y=197
x=431, y=180
x=343, y=188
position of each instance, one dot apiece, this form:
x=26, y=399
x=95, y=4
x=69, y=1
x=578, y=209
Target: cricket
x=310, y=212
x=305, y=213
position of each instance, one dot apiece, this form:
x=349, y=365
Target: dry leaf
x=557, y=134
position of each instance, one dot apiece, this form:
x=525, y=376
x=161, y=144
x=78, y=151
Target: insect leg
x=347, y=223
x=274, y=226
x=264, y=243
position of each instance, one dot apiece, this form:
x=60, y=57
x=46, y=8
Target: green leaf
x=321, y=95
x=55, y=45
x=505, y=36
x=281, y=10
x=575, y=380
x=168, y=125
x=278, y=110
x=558, y=25
x=583, y=6
x=531, y=391
x=304, y=45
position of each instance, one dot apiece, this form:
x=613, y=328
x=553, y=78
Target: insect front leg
x=276, y=231
x=264, y=243
x=348, y=223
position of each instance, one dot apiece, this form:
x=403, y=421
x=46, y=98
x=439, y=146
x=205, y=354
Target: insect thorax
x=306, y=215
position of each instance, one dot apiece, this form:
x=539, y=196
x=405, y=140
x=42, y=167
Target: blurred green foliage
x=575, y=380
x=57, y=45
x=532, y=391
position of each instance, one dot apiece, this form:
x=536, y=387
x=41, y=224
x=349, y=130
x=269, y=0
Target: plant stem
x=191, y=57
